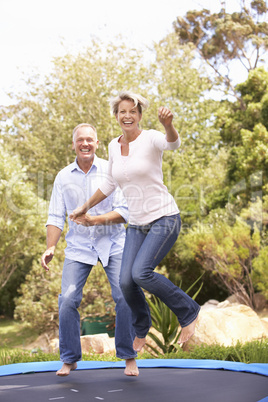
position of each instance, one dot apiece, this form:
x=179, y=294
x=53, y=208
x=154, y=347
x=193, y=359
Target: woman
x=135, y=164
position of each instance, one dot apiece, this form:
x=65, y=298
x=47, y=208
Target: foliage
x=184, y=89
x=203, y=193
x=221, y=37
x=230, y=253
x=196, y=194
x=201, y=352
x=41, y=121
x=231, y=120
x=38, y=300
x=37, y=303
x=22, y=221
x=166, y=323
x=17, y=355
x=13, y=356
x=221, y=165
x=246, y=136
x=260, y=272
x=250, y=352
x=39, y=125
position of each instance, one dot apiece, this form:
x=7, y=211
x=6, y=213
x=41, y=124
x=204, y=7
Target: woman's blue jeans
x=145, y=247
x=74, y=276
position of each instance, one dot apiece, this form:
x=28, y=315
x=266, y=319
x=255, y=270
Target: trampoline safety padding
x=160, y=380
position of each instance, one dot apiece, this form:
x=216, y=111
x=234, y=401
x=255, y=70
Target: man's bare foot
x=66, y=368
x=187, y=332
x=131, y=368
x=138, y=343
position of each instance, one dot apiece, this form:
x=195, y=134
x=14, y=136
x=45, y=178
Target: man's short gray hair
x=137, y=99
x=84, y=125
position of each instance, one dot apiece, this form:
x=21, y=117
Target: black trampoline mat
x=152, y=385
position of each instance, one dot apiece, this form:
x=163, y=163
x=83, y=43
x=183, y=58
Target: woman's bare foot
x=187, y=332
x=138, y=343
x=131, y=368
x=66, y=368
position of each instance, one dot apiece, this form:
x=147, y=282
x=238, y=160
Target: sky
x=32, y=32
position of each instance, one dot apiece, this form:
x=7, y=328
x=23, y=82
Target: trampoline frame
x=9, y=373
x=35, y=367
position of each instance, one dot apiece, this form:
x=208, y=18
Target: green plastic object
x=97, y=325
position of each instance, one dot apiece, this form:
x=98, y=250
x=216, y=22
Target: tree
x=37, y=301
x=39, y=125
x=260, y=273
x=237, y=193
x=221, y=38
x=245, y=136
x=229, y=253
x=183, y=87
x=231, y=120
x=22, y=219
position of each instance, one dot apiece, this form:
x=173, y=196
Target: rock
x=54, y=345
x=100, y=343
x=265, y=323
x=225, y=304
x=210, y=304
x=226, y=325
x=46, y=342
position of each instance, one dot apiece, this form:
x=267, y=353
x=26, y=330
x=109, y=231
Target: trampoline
x=160, y=380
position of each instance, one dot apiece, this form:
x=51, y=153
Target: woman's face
x=128, y=116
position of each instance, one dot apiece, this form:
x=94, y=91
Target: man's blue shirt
x=72, y=187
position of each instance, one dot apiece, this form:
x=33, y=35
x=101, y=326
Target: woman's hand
x=76, y=213
x=165, y=116
x=85, y=220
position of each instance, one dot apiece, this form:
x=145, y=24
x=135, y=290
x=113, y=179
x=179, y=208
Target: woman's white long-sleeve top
x=140, y=177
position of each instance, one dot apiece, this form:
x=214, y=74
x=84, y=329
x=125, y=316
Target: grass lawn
x=15, y=334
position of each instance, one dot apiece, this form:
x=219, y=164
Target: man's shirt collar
x=76, y=166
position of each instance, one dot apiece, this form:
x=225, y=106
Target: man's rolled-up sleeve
x=57, y=208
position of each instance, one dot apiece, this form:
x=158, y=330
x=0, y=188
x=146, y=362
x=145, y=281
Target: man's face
x=85, y=144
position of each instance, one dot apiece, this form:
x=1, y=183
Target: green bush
x=250, y=352
x=166, y=322
x=12, y=356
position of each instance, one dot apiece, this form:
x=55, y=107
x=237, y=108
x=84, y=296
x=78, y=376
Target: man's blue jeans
x=145, y=247
x=74, y=276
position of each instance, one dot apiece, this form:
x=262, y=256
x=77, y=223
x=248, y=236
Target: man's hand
x=110, y=218
x=76, y=213
x=85, y=220
x=47, y=257
x=165, y=116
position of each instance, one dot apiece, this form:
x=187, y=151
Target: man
x=99, y=236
